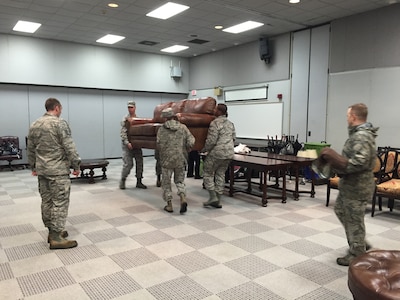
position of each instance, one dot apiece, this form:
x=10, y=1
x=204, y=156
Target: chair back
x=390, y=164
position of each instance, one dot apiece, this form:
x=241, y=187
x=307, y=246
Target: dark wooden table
x=263, y=165
x=298, y=162
x=90, y=165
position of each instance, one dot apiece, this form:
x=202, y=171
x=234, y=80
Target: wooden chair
x=333, y=182
x=388, y=185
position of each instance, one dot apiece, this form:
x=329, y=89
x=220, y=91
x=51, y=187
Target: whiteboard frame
x=245, y=94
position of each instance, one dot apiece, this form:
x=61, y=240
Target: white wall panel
x=318, y=85
x=300, y=78
x=14, y=116
x=86, y=119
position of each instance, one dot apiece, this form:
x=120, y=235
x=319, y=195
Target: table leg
x=312, y=183
x=264, y=200
x=284, y=188
x=91, y=173
x=231, y=180
x=248, y=178
x=104, y=169
x=296, y=190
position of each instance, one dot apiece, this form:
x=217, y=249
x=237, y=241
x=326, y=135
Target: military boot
x=58, y=242
x=183, y=203
x=368, y=246
x=140, y=185
x=168, y=207
x=345, y=260
x=122, y=184
x=218, y=204
x=355, y=251
x=63, y=234
x=158, y=183
x=212, y=200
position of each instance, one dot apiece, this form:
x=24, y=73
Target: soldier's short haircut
x=360, y=110
x=223, y=109
x=51, y=104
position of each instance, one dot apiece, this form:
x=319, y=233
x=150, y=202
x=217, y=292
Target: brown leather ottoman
x=375, y=275
x=91, y=164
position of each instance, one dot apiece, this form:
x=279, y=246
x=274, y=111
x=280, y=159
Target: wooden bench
x=90, y=165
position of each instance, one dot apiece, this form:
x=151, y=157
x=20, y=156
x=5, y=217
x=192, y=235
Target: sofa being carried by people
x=196, y=114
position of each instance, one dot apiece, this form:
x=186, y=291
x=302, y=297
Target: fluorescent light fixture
x=110, y=39
x=294, y=1
x=167, y=10
x=25, y=26
x=112, y=5
x=174, y=49
x=243, y=27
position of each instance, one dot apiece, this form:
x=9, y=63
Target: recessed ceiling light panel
x=174, y=49
x=110, y=39
x=167, y=10
x=25, y=26
x=243, y=27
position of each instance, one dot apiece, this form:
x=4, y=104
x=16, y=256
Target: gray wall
x=45, y=62
x=241, y=65
x=365, y=67
x=94, y=115
x=93, y=83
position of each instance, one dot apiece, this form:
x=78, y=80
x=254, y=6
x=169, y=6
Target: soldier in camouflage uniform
x=51, y=152
x=174, y=140
x=220, y=147
x=129, y=152
x=356, y=185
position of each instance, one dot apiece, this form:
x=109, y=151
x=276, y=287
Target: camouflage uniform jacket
x=220, y=138
x=174, y=141
x=51, y=150
x=360, y=150
x=124, y=129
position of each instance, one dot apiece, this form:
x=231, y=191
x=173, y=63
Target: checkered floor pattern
x=130, y=248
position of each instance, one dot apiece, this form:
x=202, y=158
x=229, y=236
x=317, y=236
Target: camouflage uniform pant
x=214, y=173
x=55, y=191
x=127, y=159
x=179, y=177
x=350, y=213
x=158, y=164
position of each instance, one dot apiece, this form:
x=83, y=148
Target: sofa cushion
x=200, y=106
x=144, y=130
x=195, y=120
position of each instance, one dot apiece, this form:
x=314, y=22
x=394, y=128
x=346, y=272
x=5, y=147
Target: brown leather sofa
x=196, y=114
x=375, y=275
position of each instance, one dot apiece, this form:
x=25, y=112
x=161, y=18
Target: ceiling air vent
x=148, y=43
x=198, y=41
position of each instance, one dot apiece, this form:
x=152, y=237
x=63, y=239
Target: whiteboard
x=256, y=120
x=247, y=94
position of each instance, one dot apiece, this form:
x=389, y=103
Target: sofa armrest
x=138, y=121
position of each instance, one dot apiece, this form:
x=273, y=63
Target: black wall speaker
x=265, y=51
